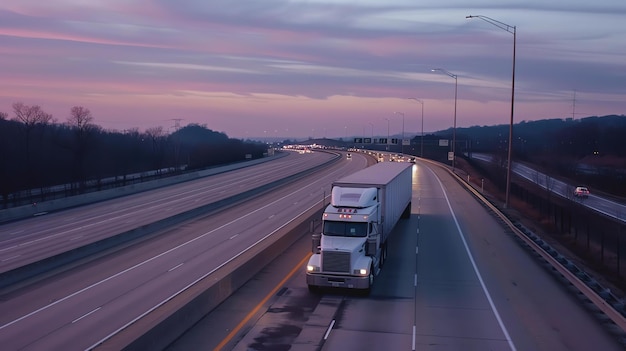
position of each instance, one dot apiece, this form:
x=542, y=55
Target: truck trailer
x=364, y=208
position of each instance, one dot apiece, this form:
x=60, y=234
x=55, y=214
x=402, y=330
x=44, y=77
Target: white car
x=581, y=191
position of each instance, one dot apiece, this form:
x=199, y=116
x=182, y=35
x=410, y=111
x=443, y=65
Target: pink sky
x=301, y=69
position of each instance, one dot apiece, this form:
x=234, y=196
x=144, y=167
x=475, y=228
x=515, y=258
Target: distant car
x=349, y=156
x=581, y=191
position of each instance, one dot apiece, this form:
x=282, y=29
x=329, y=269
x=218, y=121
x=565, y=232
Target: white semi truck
x=364, y=208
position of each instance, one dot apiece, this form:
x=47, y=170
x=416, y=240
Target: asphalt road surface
x=455, y=280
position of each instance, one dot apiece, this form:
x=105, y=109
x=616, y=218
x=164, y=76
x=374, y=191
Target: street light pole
x=402, y=142
x=422, y=139
x=454, y=126
x=387, y=143
x=512, y=30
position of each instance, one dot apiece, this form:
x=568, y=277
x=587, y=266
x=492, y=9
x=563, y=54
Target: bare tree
x=30, y=117
x=3, y=116
x=157, y=136
x=133, y=131
x=80, y=120
x=155, y=132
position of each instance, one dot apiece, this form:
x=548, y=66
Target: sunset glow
x=301, y=69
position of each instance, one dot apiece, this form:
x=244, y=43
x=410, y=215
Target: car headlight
x=361, y=271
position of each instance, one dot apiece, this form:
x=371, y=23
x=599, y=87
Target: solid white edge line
x=480, y=278
x=330, y=327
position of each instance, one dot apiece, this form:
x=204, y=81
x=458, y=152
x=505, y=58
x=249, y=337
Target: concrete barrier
x=21, y=212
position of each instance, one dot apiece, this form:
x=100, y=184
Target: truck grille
x=336, y=261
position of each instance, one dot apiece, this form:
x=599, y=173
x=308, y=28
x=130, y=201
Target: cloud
x=188, y=66
x=309, y=52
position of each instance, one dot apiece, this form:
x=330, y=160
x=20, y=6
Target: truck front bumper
x=337, y=281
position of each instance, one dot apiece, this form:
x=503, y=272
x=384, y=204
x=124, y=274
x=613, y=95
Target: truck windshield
x=350, y=229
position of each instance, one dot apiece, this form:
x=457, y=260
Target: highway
x=27, y=241
x=79, y=308
x=595, y=202
x=455, y=280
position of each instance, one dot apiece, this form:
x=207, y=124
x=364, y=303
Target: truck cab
x=347, y=250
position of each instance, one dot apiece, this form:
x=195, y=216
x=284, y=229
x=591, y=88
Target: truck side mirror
x=316, y=240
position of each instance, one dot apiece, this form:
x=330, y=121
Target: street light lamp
x=454, y=126
x=422, y=139
x=402, y=142
x=512, y=30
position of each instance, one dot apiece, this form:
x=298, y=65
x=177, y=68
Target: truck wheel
x=313, y=288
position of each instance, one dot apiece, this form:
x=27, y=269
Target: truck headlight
x=361, y=271
x=310, y=268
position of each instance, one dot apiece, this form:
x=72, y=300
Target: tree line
x=590, y=150
x=38, y=152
